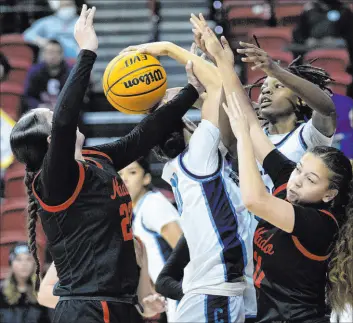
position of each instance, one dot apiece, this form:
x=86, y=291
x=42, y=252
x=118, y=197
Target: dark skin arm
x=324, y=114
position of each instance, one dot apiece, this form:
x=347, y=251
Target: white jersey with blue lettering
x=215, y=232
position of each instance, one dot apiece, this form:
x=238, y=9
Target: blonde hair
x=11, y=293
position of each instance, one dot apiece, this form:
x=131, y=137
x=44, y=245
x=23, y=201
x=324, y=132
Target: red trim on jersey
x=307, y=253
x=95, y=152
x=99, y=165
x=330, y=215
x=70, y=201
x=280, y=189
x=106, y=316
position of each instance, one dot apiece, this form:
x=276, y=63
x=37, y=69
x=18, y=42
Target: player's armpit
x=171, y=232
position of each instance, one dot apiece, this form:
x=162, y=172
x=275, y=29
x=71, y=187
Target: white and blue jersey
x=150, y=214
x=295, y=143
x=215, y=232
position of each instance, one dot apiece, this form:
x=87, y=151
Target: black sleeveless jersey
x=290, y=269
x=90, y=236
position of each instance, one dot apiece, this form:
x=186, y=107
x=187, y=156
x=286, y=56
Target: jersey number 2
x=126, y=212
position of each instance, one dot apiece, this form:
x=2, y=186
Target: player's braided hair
x=31, y=225
x=29, y=145
x=307, y=71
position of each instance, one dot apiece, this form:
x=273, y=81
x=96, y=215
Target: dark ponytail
x=173, y=145
x=31, y=225
x=340, y=275
x=29, y=145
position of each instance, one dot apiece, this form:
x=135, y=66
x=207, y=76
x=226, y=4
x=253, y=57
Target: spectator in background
x=58, y=26
x=325, y=23
x=18, y=302
x=45, y=80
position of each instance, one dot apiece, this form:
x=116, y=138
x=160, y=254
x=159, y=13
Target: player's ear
x=49, y=139
x=147, y=179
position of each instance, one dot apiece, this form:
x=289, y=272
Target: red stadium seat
x=272, y=39
x=14, y=45
x=243, y=18
x=10, y=99
x=19, y=71
x=16, y=166
x=288, y=14
x=332, y=60
x=13, y=215
x=342, y=80
x=14, y=183
x=12, y=39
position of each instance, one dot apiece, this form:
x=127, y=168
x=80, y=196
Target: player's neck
x=281, y=126
x=136, y=200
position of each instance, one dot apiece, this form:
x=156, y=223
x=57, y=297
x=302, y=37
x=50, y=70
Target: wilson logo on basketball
x=148, y=78
x=263, y=243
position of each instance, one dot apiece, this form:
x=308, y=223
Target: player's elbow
x=41, y=297
x=45, y=297
x=254, y=202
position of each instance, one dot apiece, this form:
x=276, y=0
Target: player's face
x=276, y=101
x=23, y=265
x=135, y=180
x=309, y=182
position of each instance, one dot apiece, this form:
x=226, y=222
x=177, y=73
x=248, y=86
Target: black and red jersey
x=90, y=235
x=290, y=268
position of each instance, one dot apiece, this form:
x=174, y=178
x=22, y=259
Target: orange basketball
x=134, y=83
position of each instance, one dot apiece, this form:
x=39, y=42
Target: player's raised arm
x=152, y=130
x=204, y=71
x=324, y=115
x=60, y=171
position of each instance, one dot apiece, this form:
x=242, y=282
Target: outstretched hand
x=237, y=118
x=200, y=24
x=206, y=39
x=154, y=49
x=258, y=57
x=192, y=79
x=84, y=32
x=155, y=303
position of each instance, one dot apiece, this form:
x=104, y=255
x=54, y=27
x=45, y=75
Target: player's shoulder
x=99, y=158
x=155, y=198
x=170, y=167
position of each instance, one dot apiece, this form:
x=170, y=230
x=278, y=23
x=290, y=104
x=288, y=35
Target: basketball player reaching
x=155, y=220
x=308, y=217
x=213, y=281
x=85, y=208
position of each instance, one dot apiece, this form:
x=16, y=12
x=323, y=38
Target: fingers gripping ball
x=134, y=83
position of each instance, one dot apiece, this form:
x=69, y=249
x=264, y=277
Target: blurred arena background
x=279, y=25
